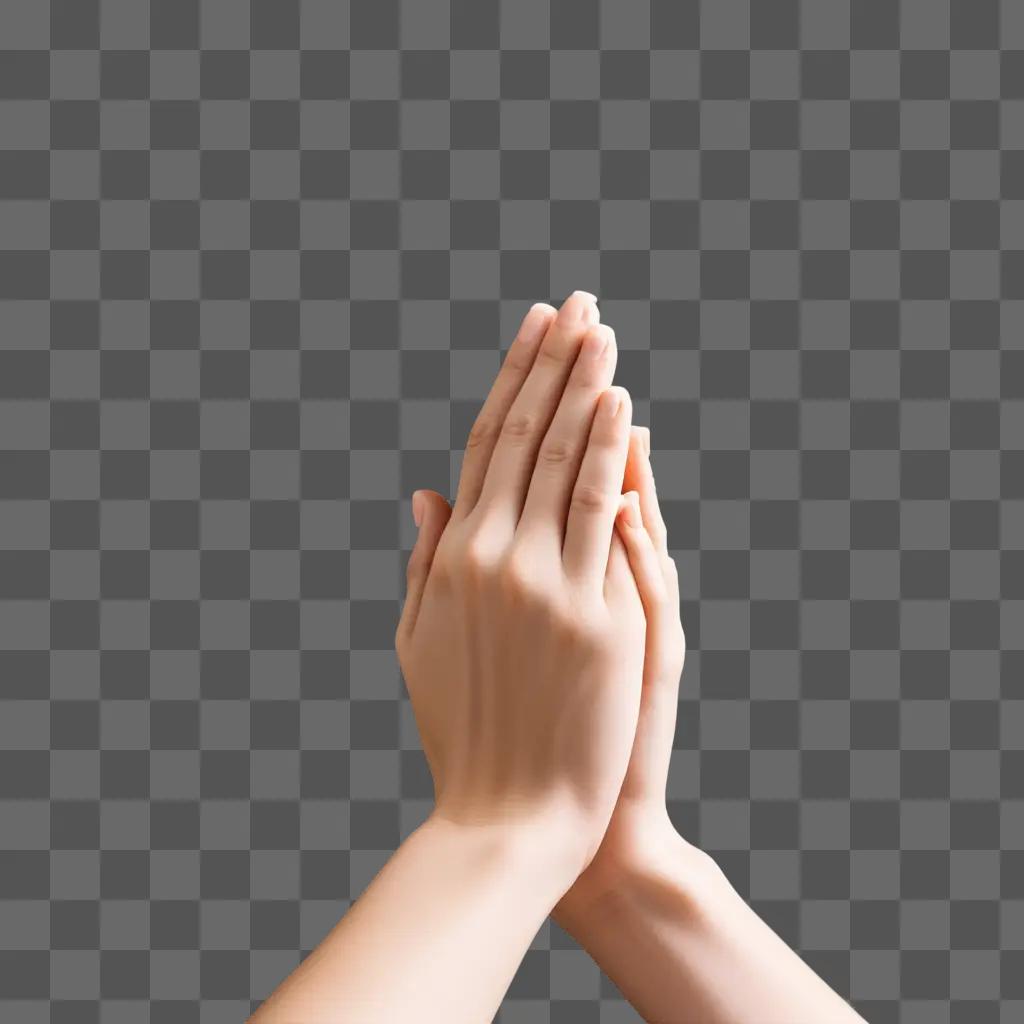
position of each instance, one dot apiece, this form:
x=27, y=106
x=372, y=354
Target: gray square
x=808, y=213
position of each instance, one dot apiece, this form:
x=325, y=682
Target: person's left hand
x=640, y=838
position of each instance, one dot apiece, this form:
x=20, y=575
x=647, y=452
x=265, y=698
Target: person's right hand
x=522, y=635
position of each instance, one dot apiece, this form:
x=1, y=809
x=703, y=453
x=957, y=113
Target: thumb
x=431, y=512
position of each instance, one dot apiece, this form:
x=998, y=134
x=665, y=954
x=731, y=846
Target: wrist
x=654, y=862
x=542, y=849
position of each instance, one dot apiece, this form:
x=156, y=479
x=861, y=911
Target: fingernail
x=586, y=295
x=417, y=508
x=609, y=338
x=610, y=402
x=645, y=434
x=575, y=307
x=594, y=345
x=571, y=311
x=632, y=512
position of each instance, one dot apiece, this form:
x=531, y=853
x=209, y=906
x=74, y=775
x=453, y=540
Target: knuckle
x=477, y=555
x=556, y=452
x=519, y=426
x=482, y=431
x=549, y=355
x=606, y=438
x=589, y=500
x=658, y=589
x=520, y=575
x=518, y=361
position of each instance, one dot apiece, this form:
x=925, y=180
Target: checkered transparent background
x=258, y=263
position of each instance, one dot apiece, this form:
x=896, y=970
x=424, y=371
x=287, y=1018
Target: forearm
x=684, y=947
x=436, y=936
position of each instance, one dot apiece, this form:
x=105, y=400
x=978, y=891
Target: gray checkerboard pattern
x=258, y=263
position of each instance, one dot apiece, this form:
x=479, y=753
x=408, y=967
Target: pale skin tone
x=541, y=644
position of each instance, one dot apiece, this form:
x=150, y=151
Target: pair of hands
x=542, y=648
x=540, y=638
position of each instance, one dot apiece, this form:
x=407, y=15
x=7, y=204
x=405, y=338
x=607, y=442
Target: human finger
x=561, y=451
x=595, y=496
x=484, y=433
x=515, y=450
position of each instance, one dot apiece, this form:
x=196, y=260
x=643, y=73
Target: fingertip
x=575, y=308
x=636, y=440
x=615, y=401
x=535, y=325
x=607, y=332
x=593, y=345
x=631, y=511
x=432, y=508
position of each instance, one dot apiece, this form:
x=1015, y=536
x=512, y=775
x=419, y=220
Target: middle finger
x=561, y=451
x=511, y=465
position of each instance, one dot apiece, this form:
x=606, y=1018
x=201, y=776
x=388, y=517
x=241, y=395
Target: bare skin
x=655, y=912
x=542, y=647
x=522, y=645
